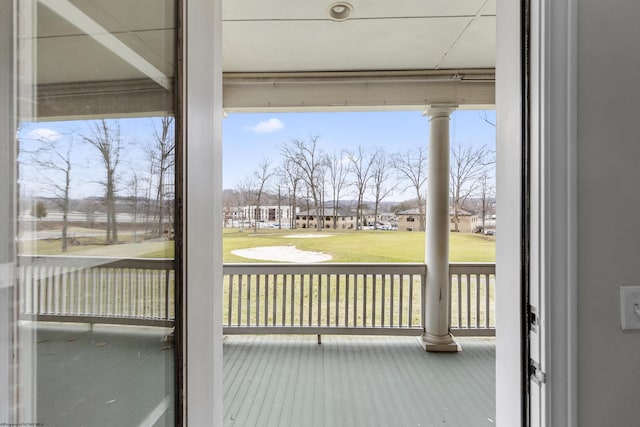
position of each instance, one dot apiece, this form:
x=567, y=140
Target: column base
x=440, y=344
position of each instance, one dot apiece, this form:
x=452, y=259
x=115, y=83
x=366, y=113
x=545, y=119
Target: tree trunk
x=65, y=211
x=159, y=198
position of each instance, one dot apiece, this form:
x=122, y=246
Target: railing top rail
x=325, y=268
x=472, y=267
x=247, y=268
x=472, y=264
x=97, y=262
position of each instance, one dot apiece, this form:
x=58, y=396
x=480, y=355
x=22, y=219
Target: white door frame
x=202, y=254
x=509, y=408
x=553, y=240
x=553, y=110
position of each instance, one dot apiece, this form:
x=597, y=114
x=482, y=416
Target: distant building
x=409, y=220
x=346, y=219
x=469, y=222
x=269, y=214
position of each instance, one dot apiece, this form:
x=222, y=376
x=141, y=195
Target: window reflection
x=94, y=190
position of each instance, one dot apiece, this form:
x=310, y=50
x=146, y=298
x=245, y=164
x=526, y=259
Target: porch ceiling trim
x=279, y=92
x=91, y=100
x=349, y=91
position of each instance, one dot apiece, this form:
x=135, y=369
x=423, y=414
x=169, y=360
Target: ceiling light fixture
x=340, y=11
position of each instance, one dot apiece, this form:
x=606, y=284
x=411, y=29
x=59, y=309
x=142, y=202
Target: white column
x=436, y=315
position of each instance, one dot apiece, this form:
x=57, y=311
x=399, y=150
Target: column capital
x=440, y=110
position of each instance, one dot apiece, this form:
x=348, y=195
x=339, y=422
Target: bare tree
x=54, y=157
x=308, y=158
x=485, y=118
x=245, y=189
x=381, y=186
x=339, y=168
x=279, y=211
x=105, y=137
x=412, y=168
x=468, y=165
x=229, y=200
x=323, y=169
x=162, y=158
x=361, y=166
x=486, y=193
x=262, y=175
x=149, y=203
x=89, y=207
x=291, y=176
x=133, y=186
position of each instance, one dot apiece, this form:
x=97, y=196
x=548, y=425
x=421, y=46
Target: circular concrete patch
x=281, y=253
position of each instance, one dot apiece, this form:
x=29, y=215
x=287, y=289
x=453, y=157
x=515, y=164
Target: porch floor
x=108, y=377
x=356, y=381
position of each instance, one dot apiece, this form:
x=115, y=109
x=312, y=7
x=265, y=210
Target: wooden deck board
x=103, y=378
x=270, y=380
x=358, y=381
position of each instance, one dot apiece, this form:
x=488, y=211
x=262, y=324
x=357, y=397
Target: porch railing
x=320, y=299
x=134, y=291
x=472, y=303
x=323, y=298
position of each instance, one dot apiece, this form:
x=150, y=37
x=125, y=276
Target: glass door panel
x=93, y=165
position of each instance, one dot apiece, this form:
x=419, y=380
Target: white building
x=271, y=214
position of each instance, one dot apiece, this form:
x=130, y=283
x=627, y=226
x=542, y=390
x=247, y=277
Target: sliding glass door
x=88, y=219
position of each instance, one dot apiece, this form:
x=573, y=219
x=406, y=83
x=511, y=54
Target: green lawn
x=344, y=246
x=362, y=246
x=95, y=246
x=350, y=246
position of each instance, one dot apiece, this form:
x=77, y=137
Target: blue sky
x=249, y=138
x=87, y=170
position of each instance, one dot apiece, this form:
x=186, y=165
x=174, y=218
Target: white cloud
x=266, y=126
x=44, y=134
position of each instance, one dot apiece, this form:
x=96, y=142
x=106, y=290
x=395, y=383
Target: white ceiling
x=276, y=36
x=290, y=35
x=259, y=36
x=67, y=54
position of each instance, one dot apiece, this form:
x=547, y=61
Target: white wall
x=608, y=202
